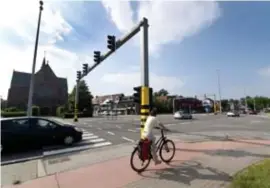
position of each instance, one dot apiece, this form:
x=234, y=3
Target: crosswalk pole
x=76, y=102
x=144, y=111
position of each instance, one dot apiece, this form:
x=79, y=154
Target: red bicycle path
x=118, y=173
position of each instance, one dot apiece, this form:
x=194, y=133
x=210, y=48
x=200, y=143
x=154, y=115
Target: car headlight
x=78, y=129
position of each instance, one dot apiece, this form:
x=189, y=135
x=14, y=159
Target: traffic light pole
x=145, y=108
x=76, y=101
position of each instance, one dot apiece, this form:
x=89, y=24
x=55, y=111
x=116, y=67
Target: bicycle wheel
x=144, y=164
x=166, y=147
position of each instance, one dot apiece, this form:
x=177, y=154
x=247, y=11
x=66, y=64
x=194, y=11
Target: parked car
x=233, y=114
x=36, y=132
x=182, y=115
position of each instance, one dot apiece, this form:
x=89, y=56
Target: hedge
x=35, y=111
x=13, y=114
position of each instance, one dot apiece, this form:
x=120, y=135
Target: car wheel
x=68, y=140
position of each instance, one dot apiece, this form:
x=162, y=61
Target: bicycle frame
x=160, y=141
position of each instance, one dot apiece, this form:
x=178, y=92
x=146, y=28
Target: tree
x=85, y=98
x=161, y=92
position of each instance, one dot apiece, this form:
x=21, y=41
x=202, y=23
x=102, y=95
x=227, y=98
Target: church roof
x=22, y=79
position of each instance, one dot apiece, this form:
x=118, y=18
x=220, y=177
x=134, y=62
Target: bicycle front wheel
x=167, y=151
x=142, y=164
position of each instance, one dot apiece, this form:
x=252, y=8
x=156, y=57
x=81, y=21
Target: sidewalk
x=195, y=165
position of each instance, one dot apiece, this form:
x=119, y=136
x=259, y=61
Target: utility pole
x=32, y=81
x=254, y=104
x=145, y=107
x=219, y=90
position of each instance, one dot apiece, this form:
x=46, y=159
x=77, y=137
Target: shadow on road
x=188, y=171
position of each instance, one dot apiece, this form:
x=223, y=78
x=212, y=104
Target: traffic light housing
x=150, y=98
x=85, y=69
x=111, y=42
x=79, y=75
x=137, y=95
x=97, y=58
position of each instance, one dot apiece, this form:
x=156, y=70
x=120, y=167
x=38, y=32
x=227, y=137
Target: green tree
x=85, y=98
x=162, y=92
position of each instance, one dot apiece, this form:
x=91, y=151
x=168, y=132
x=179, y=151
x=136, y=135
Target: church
x=50, y=91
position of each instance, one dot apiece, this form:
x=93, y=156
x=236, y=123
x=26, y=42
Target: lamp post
x=31, y=88
x=219, y=90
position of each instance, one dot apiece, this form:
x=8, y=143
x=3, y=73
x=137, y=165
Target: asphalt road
x=105, y=132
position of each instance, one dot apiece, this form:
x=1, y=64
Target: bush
x=12, y=109
x=60, y=111
x=13, y=114
x=35, y=111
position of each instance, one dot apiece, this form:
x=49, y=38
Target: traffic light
x=137, y=95
x=85, y=69
x=150, y=98
x=79, y=75
x=97, y=56
x=111, y=42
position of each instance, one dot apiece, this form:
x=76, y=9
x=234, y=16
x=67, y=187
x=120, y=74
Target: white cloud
x=21, y=24
x=170, y=21
x=265, y=71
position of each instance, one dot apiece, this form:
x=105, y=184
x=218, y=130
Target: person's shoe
x=157, y=162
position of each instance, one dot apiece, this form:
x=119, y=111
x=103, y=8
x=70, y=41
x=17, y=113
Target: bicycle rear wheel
x=166, y=147
x=144, y=163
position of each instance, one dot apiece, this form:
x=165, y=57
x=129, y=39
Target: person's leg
x=154, y=150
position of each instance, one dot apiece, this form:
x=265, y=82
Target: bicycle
x=162, y=143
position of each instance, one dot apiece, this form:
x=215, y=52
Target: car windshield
x=59, y=121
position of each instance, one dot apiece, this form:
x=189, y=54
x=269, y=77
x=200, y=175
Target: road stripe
x=118, y=126
x=131, y=130
x=99, y=128
x=87, y=134
x=89, y=137
x=66, y=150
x=185, y=123
x=111, y=133
x=130, y=140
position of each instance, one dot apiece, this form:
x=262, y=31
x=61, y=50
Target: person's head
x=153, y=112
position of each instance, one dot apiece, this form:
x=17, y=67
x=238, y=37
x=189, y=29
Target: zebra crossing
x=89, y=141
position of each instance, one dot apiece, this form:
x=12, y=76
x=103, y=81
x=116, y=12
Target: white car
x=182, y=115
x=233, y=114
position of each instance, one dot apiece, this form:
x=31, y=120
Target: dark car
x=36, y=132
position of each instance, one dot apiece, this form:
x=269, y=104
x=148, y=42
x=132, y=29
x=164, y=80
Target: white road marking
x=131, y=130
x=130, y=140
x=99, y=128
x=87, y=134
x=66, y=150
x=89, y=137
x=111, y=133
x=89, y=141
x=185, y=123
x=170, y=124
x=118, y=126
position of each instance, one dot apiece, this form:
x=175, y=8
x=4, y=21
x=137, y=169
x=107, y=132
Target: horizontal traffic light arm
x=118, y=44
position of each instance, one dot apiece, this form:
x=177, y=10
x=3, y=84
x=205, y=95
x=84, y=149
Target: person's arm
x=160, y=125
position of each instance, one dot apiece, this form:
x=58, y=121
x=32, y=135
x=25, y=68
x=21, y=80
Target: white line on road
x=89, y=137
x=118, y=126
x=185, y=123
x=111, y=133
x=170, y=124
x=54, y=152
x=130, y=140
x=131, y=130
x=99, y=128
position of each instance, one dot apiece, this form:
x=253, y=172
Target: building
x=115, y=102
x=49, y=93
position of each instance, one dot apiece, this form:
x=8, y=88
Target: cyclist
x=150, y=124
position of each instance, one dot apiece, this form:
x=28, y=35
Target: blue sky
x=188, y=42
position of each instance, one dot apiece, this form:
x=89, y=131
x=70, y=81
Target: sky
x=189, y=43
